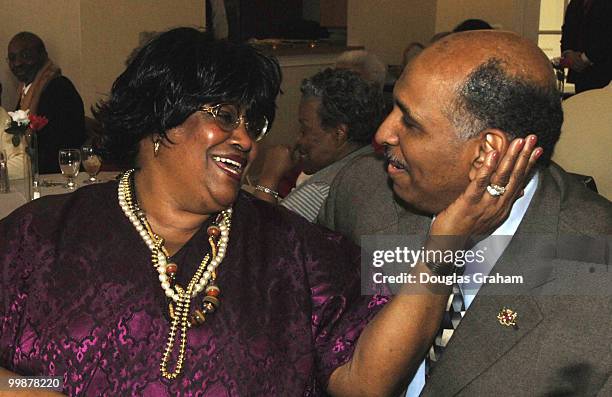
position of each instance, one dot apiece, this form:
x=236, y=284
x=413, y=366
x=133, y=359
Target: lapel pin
x=507, y=317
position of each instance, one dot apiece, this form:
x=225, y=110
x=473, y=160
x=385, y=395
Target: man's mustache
x=391, y=158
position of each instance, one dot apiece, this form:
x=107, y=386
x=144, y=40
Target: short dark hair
x=171, y=77
x=346, y=99
x=490, y=98
x=472, y=24
x=33, y=38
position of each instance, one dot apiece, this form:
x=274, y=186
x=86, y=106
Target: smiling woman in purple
x=172, y=281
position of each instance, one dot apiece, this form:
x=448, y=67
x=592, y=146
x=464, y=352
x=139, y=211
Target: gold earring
x=156, y=145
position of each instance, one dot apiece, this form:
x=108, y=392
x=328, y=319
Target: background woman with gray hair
x=338, y=115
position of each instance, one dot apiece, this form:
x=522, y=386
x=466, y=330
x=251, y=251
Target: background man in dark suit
x=467, y=95
x=586, y=43
x=45, y=92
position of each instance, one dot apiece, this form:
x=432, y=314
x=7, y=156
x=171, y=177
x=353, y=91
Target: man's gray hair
x=490, y=97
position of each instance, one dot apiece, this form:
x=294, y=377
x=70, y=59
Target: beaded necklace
x=202, y=281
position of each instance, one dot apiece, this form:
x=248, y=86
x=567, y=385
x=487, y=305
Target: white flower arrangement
x=20, y=117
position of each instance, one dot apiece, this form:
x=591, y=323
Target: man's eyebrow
x=408, y=115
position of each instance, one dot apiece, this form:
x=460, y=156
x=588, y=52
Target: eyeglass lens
x=229, y=119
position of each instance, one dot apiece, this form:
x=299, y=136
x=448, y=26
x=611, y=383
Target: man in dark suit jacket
x=586, y=43
x=45, y=92
x=467, y=95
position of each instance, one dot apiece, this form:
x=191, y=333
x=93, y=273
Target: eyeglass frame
x=213, y=110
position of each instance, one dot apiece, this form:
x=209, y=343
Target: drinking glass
x=70, y=163
x=91, y=162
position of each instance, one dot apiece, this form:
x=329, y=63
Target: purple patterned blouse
x=81, y=299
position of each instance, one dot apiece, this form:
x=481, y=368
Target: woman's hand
x=476, y=211
x=278, y=161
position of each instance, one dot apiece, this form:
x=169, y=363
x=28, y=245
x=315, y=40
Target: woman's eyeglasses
x=228, y=119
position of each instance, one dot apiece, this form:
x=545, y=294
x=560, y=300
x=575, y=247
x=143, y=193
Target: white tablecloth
x=17, y=197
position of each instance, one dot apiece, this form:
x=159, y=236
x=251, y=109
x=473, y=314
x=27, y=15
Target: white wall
x=110, y=32
x=585, y=145
x=520, y=16
x=386, y=27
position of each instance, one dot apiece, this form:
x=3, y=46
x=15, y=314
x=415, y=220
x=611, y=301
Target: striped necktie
x=455, y=310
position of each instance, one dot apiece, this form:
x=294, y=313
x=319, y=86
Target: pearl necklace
x=202, y=280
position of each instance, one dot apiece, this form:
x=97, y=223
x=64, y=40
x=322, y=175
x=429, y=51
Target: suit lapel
x=480, y=340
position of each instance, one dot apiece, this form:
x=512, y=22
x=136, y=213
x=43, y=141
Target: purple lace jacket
x=80, y=299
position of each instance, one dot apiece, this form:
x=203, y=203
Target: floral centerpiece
x=21, y=121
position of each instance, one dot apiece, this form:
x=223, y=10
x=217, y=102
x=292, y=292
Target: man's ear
x=340, y=134
x=487, y=141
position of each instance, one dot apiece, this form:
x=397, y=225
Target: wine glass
x=91, y=162
x=70, y=163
